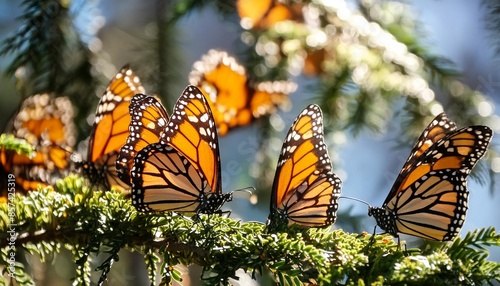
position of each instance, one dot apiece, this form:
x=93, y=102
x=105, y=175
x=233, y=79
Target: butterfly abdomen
x=212, y=203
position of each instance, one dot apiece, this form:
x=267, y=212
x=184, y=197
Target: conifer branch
x=86, y=222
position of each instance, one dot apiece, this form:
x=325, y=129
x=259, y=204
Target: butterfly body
x=305, y=190
x=182, y=171
x=385, y=219
x=429, y=199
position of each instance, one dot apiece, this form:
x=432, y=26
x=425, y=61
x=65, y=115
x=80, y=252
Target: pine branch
x=87, y=222
x=21, y=146
x=49, y=55
x=493, y=21
x=39, y=42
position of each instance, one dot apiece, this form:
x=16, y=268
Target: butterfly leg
x=372, y=239
x=221, y=213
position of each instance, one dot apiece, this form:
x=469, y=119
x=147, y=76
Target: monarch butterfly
x=429, y=197
x=110, y=130
x=305, y=190
x=264, y=14
x=233, y=100
x=46, y=122
x=182, y=172
x=148, y=120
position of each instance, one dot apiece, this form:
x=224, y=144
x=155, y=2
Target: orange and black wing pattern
x=233, y=100
x=440, y=126
x=148, y=121
x=181, y=173
x=110, y=130
x=45, y=122
x=305, y=190
x=429, y=198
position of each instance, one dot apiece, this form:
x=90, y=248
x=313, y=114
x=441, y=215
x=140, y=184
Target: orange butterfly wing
x=29, y=172
x=110, y=129
x=164, y=180
x=224, y=83
x=192, y=132
x=262, y=14
x=305, y=190
x=181, y=173
x=459, y=150
x=46, y=123
x=233, y=100
x=268, y=96
x=439, y=127
x=148, y=122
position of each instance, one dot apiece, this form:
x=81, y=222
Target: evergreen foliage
x=91, y=223
x=361, y=81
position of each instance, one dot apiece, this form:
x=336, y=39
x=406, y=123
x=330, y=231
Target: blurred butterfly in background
x=263, y=14
x=233, y=99
x=429, y=197
x=305, y=190
x=182, y=172
x=258, y=15
x=314, y=62
x=45, y=122
x=110, y=131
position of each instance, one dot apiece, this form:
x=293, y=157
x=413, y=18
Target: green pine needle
x=90, y=223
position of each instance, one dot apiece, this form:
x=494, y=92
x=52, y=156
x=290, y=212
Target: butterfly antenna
x=250, y=190
x=45, y=143
x=355, y=199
